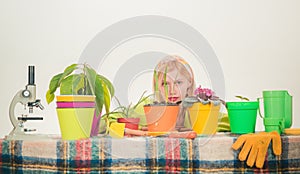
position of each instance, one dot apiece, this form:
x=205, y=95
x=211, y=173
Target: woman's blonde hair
x=174, y=62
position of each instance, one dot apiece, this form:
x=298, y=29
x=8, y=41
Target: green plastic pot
x=242, y=116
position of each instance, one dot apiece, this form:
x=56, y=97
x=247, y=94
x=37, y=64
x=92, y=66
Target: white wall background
x=257, y=43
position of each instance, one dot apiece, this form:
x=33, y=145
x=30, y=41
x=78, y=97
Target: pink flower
x=204, y=93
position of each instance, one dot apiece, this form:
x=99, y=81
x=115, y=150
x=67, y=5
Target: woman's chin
x=174, y=100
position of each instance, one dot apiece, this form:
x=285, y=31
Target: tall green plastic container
x=242, y=116
x=277, y=110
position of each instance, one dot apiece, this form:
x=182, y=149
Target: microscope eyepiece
x=30, y=75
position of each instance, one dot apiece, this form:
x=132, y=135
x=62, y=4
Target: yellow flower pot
x=75, y=123
x=204, y=118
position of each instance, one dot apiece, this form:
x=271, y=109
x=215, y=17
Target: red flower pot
x=131, y=123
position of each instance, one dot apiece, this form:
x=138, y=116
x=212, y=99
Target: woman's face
x=177, y=86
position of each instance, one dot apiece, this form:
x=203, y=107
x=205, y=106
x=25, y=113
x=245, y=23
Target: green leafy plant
x=130, y=111
x=81, y=79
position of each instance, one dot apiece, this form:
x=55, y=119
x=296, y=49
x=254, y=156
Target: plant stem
x=85, y=79
x=156, y=86
x=107, y=125
x=166, y=85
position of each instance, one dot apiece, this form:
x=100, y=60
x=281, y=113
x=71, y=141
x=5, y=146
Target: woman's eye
x=178, y=82
x=164, y=83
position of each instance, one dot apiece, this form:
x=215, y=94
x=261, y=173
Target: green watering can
x=277, y=110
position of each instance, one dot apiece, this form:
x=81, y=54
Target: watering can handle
x=281, y=126
x=258, y=99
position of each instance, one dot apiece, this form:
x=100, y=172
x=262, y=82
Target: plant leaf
x=107, y=97
x=142, y=100
x=108, y=84
x=68, y=71
x=96, y=88
x=166, y=85
x=156, y=80
x=72, y=84
x=242, y=98
x=49, y=96
x=99, y=92
x=88, y=90
x=54, y=83
x=91, y=78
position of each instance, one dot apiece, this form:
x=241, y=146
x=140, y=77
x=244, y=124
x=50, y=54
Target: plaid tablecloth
x=141, y=155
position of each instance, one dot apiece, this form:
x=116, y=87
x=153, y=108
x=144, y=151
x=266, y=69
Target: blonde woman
x=179, y=82
x=174, y=79
x=179, y=79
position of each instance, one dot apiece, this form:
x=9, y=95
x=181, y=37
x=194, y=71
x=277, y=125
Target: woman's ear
x=190, y=90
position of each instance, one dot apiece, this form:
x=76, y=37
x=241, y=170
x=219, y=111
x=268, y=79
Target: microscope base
x=17, y=134
x=30, y=137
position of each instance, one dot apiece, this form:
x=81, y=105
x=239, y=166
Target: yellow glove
x=258, y=145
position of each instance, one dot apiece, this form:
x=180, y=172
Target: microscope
x=26, y=97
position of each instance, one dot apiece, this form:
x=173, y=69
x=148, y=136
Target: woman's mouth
x=173, y=99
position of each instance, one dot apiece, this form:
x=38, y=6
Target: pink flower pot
x=95, y=124
x=75, y=104
x=83, y=104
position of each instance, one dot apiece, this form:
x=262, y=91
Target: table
x=103, y=154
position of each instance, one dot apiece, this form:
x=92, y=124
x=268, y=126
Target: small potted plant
x=130, y=117
x=204, y=109
x=82, y=80
x=161, y=115
x=242, y=115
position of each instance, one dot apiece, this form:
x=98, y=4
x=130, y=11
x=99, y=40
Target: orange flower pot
x=161, y=118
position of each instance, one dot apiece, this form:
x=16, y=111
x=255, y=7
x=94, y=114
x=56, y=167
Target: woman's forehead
x=175, y=75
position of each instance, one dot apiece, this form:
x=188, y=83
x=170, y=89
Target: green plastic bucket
x=242, y=116
x=75, y=123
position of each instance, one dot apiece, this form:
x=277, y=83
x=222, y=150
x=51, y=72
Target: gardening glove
x=256, y=145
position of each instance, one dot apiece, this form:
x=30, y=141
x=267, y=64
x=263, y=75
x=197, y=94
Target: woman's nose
x=172, y=89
